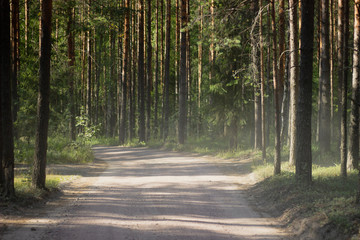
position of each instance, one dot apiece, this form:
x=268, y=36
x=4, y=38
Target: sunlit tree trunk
x=277, y=93
x=355, y=97
x=200, y=71
x=294, y=71
x=255, y=75
x=43, y=111
x=303, y=123
x=283, y=89
x=89, y=70
x=26, y=24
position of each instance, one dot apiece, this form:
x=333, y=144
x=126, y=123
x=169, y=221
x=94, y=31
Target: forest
x=278, y=77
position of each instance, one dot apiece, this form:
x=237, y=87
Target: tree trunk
x=262, y=86
x=303, y=124
x=355, y=97
x=71, y=63
x=141, y=75
x=89, y=71
x=200, y=53
x=15, y=57
x=125, y=74
x=277, y=91
x=324, y=79
x=167, y=70
x=7, y=140
x=182, y=79
x=283, y=90
x=39, y=170
x=156, y=107
x=26, y=23
x=255, y=76
x=294, y=71
x=149, y=70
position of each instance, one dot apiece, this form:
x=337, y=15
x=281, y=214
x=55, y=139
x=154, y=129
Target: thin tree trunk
x=182, y=79
x=125, y=74
x=71, y=63
x=149, y=69
x=294, y=71
x=212, y=45
x=200, y=53
x=283, y=89
x=156, y=123
x=167, y=70
x=141, y=74
x=303, y=124
x=255, y=76
x=262, y=86
x=26, y=23
x=43, y=111
x=324, y=79
x=277, y=90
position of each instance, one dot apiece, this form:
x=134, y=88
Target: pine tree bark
x=324, y=79
x=43, y=111
x=125, y=74
x=149, y=70
x=294, y=71
x=262, y=86
x=7, y=139
x=355, y=96
x=182, y=76
x=156, y=107
x=200, y=71
x=167, y=70
x=15, y=27
x=89, y=71
x=277, y=94
x=255, y=76
x=141, y=74
x=303, y=124
x=71, y=64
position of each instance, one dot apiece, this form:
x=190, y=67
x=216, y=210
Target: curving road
x=155, y=195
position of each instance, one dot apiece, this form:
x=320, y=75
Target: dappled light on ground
x=148, y=194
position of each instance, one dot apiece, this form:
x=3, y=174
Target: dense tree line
x=163, y=70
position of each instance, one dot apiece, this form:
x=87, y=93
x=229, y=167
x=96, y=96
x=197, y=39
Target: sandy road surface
x=153, y=195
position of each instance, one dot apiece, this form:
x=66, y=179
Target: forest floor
x=152, y=194
x=146, y=194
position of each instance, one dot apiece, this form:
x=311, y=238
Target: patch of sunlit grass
x=24, y=189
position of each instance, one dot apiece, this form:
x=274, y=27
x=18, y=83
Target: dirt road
x=153, y=195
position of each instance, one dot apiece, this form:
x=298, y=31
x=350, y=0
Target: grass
x=330, y=197
x=60, y=151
